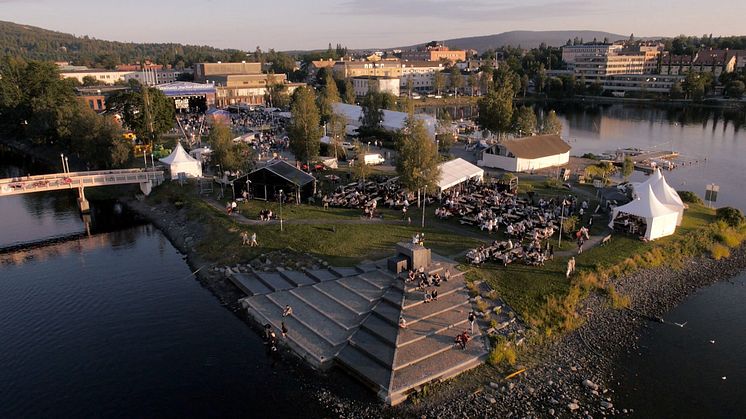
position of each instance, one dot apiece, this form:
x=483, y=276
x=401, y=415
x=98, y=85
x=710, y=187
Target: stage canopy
x=183, y=88
x=661, y=219
x=457, y=171
x=181, y=162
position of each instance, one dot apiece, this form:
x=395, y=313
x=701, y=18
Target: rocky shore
x=572, y=376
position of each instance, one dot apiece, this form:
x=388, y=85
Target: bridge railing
x=78, y=180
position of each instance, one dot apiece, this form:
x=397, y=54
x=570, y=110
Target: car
x=316, y=167
x=348, y=145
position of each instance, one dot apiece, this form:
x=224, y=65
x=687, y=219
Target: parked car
x=374, y=159
x=348, y=145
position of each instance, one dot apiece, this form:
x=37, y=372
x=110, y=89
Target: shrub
x=732, y=216
x=553, y=183
x=481, y=306
x=617, y=300
x=503, y=353
x=689, y=197
x=719, y=251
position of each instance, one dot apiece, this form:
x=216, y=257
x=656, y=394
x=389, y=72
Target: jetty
x=350, y=317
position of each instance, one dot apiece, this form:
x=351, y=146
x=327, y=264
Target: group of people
x=532, y=253
x=249, y=241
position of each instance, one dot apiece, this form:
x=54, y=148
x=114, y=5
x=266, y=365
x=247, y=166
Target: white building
x=392, y=120
x=363, y=85
x=421, y=73
x=105, y=76
x=526, y=154
x=570, y=53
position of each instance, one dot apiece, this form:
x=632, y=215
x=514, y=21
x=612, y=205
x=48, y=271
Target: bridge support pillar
x=146, y=187
x=83, y=204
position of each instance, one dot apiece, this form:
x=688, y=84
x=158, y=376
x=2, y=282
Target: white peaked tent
x=181, y=162
x=665, y=193
x=660, y=219
x=458, y=171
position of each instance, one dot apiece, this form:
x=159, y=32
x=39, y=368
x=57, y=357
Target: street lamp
x=281, y=195
x=562, y=217
x=222, y=187
x=67, y=165
x=62, y=157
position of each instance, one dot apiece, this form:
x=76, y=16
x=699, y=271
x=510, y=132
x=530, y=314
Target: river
x=114, y=325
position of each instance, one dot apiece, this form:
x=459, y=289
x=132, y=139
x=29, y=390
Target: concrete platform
x=351, y=316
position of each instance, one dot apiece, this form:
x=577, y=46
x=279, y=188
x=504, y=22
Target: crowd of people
x=367, y=196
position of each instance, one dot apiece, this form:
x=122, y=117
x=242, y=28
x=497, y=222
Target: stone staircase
x=351, y=315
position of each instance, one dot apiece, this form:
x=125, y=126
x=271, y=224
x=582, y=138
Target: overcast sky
x=312, y=24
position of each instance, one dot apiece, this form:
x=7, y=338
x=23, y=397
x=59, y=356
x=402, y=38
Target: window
x=99, y=104
x=90, y=103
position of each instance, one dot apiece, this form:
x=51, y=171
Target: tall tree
x=329, y=95
x=439, y=82
x=304, y=131
x=336, y=133
x=496, y=110
x=230, y=156
x=360, y=168
x=373, y=104
x=456, y=79
x=552, y=124
x=473, y=84
x=147, y=111
x=418, y=160
x=97, y=140
x=525, y=121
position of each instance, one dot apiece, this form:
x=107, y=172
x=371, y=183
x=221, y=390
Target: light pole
x=222, y=190
x=67, y=165
x=281, y=196
x=62, y=157
x=562, y=217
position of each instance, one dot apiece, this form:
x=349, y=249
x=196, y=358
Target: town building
x=363, y=85
x=239, y=83
x=102, y=76
x=421, y=74
x=434, y=52
x=204, y=71
x=527, y=154
x=95, y=96
x=570, y=53
x=189, y=96
x=383, y=68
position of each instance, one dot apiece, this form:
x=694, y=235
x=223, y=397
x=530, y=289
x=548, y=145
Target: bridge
x=147, y=178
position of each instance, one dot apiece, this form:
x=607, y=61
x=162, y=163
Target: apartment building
x=570, y=53
x=421, y=73
x=363, y=85
x=383, y=68
x=434, y=53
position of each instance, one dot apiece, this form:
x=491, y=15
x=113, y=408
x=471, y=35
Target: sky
x=312, y=24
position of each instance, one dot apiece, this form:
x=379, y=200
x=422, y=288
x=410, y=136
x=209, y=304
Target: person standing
x=288, y=311
x=253, y=240
x=570, y=266
x=472, y=317
x=283, y=329
x=244, y=238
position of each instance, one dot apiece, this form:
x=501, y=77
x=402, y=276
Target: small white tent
x=181, y=162
x=458, y=171
x=660, y=219
x=665, y=193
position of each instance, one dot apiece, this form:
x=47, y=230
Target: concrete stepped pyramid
x=397, y=361
x=351, y=316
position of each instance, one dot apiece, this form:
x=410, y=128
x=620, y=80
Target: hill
x=525, y=39
x=34, y=43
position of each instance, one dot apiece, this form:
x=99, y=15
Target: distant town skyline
x=303, y=25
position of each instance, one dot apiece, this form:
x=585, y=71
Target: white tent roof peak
x=457, y=171
x=179, y=155
x=666, y=194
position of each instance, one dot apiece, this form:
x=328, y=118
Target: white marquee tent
x=458, y=171
x=660, y=219
x=665, y=193
x=392, y=120
x=181, y=162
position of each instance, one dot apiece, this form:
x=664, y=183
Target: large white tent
x=392, y=120
x=660, y=219
x=181, y=162
x=458, y=171
x=665, y=193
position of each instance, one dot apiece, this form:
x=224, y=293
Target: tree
x=418, y=160
x=329, y=95
x=473, y=83
x=735, y=89
x=147, y=111
x=92, y=81
x=304, y=131
x=410, y=86
x=525, y=121
x=552, y=124
x=97, y=140
x=438, y=82
x=349, y=96
x=628, y=167
x=336, y=132
x=445, y=136
x=524, y=84
x=230, y=156
x=496, y=110
x=456, y=80
x=373, y=104
x=360, y=168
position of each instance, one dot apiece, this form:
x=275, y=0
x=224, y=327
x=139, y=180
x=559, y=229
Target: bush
x=689, y=197
x=617, y=300
x=719, y=251
x=503, y=353
x=553, y=183
x=732, y=216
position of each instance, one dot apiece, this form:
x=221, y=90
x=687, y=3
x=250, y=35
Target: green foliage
x=335, y=129
x=735, y=89
x=439, y=81
x=503, y=353
x=628, y=167
x=570, y=224
x=373, y=104
x=417, y=164
x=689, y=197
x=731, y=216
x=456, y=79
x=496, y=110
x=551, y=124
x=329, y=95
x=524, y=123
x=304, y=131
x=97, y=140
x=360, y=168
x=230, y=156
x=145, y=110
x=719, y=251
x=617, y=300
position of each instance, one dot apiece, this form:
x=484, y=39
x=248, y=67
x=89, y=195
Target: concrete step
x=440, y=366
x=275, y=281
x=343, y=271
x=362, y=287
x=422, y=328
x=414, y=294
x=360, y=364
x=417, y=298
x=456, y=301
x=378, y=278
x=298, y=278
x=303, y=340
x=249, y=284
x=431, y=346
x=344, y=296
x=388, y=312
x=331, y=308
x=381, y=328
x=377, y=349
x=322, y=274
x=393, y=296
x=312, y=319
